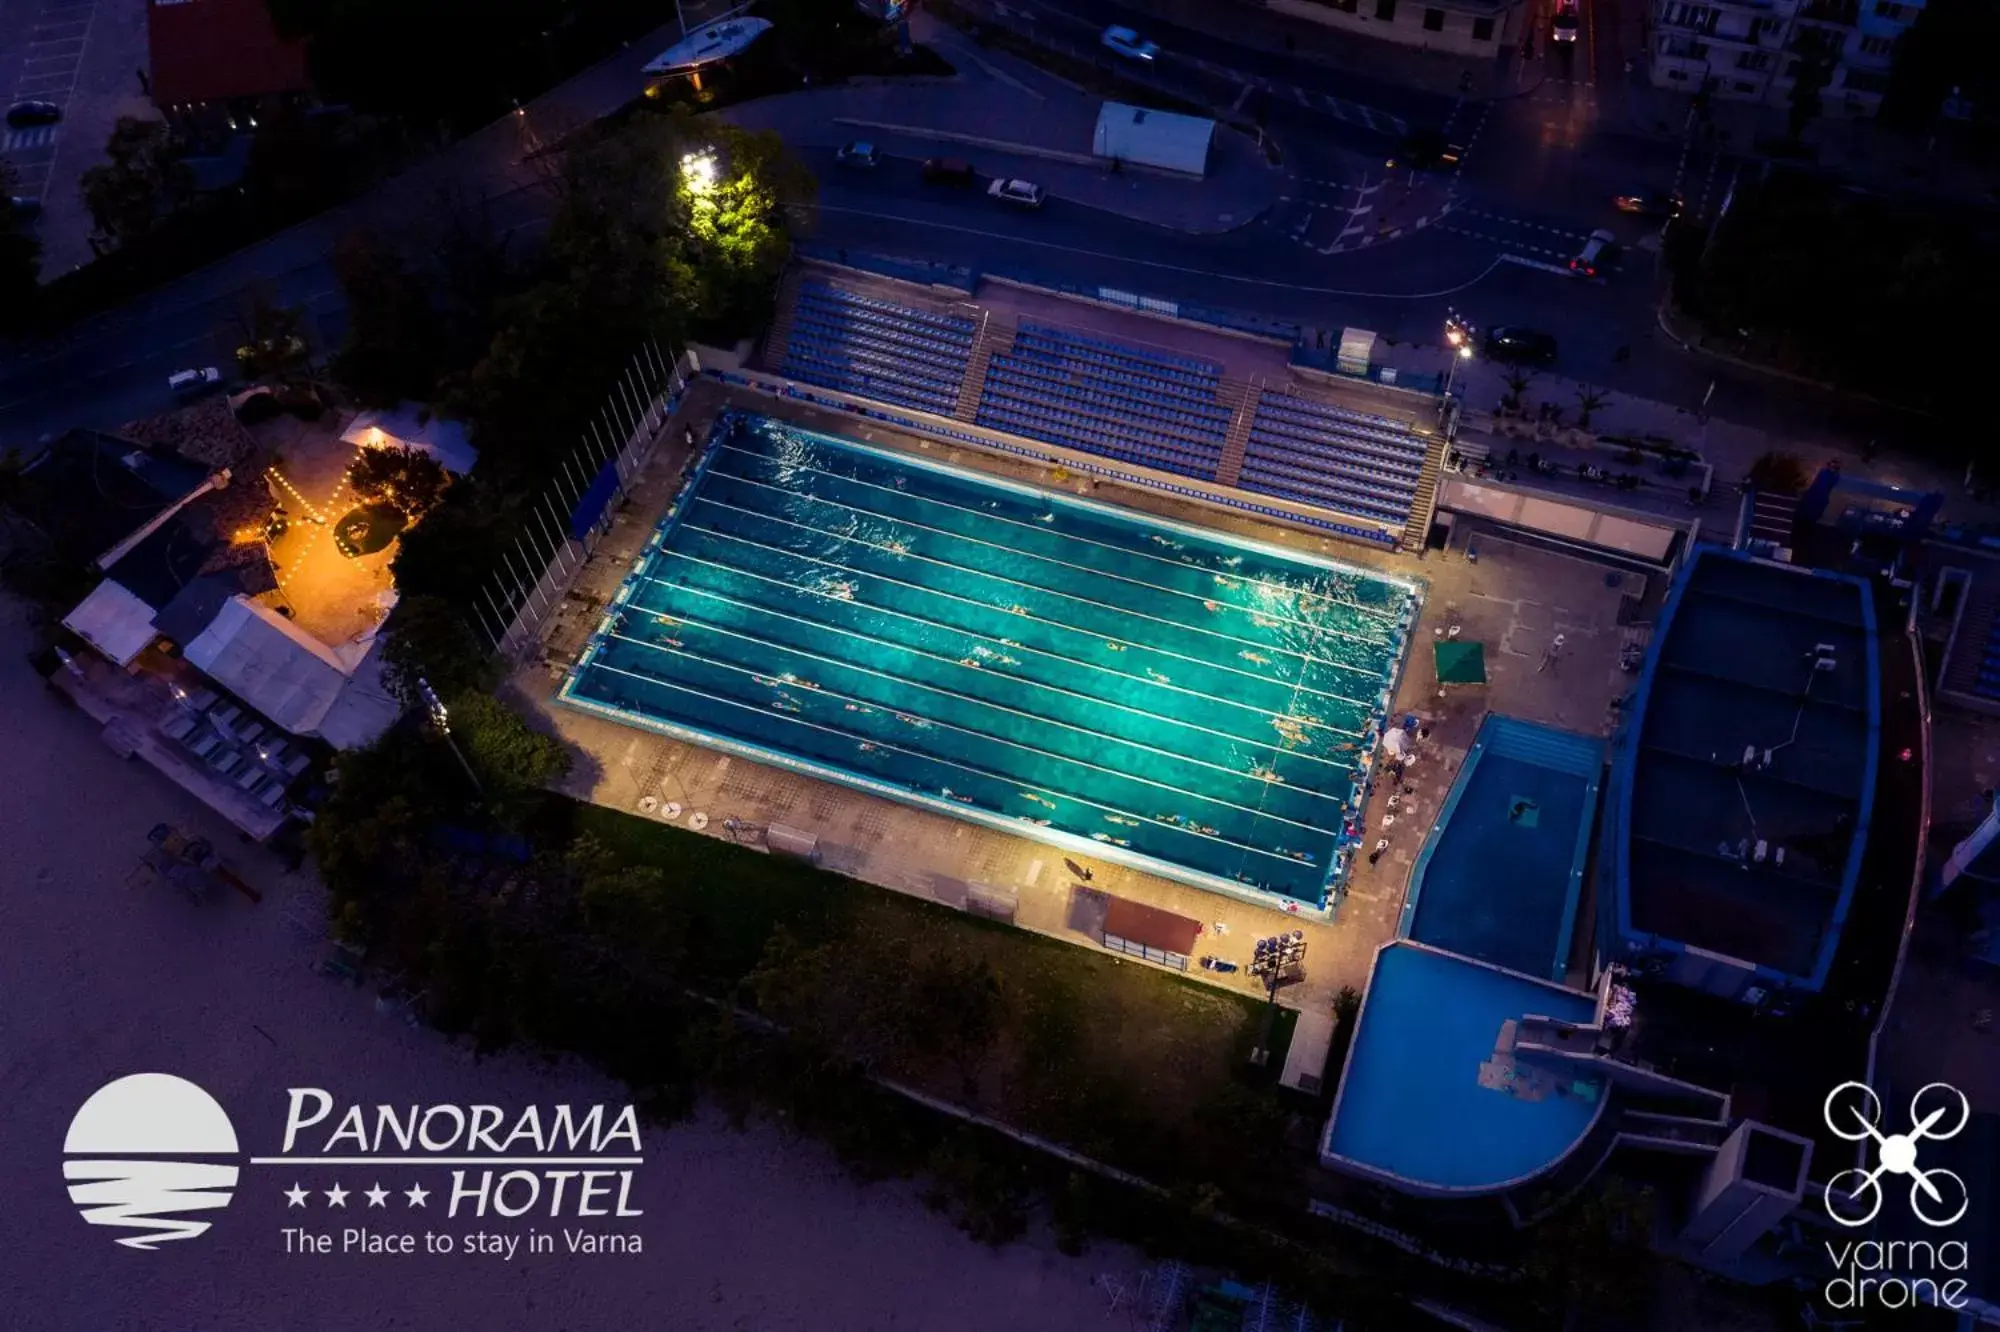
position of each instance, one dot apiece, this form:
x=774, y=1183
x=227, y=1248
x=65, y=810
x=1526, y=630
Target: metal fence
x=569, y=518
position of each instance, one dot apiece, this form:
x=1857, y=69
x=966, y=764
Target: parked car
x=1130, y=44
x=1595, y=252
x=24, y=209
x=193, y=383
x=1521, y=346
x=1423, y=150
x=857, y=153
x=256, y=405
x=1650, y=203
x=947, y=171
x=1020, y=193
x=22, y=115
x=1563, y=27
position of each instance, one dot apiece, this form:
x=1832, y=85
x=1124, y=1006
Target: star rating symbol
x=416, y=1194
x=336, y=1196
x=296, y=1196
x=377, y=1196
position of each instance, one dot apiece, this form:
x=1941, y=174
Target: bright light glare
x=1465, y=353
x=698, y=170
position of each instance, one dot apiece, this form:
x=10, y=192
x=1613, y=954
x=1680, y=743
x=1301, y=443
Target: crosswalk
x=1353, y=113
x=1515, y=235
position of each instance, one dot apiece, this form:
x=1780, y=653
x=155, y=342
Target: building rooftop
x=88, y=491
x=1742, y=793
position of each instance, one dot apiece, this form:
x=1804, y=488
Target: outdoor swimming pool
x=1502, y=870
x=1190, y=703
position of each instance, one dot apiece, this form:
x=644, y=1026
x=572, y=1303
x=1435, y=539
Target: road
x=1537, y=176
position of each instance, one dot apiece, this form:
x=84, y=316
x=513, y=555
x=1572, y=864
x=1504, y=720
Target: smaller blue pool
x=1500, y=876
x=1429, y=1102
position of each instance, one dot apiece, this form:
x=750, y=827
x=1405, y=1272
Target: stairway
x=994, y=336
x=1543, y=746
x=1975, y=629
x=1424, y=503
x=1241, y=400
x=778, y=337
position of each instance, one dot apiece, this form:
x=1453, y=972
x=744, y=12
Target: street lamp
x=698, y=171
x=1278, y=962
x=1458, y=337
x=442, y=720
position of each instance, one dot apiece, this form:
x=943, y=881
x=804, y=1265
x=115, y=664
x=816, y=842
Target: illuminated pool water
x=1187, y=702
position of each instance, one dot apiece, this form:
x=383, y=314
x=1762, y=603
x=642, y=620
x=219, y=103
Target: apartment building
x=1461, y=27
x=1751, y=50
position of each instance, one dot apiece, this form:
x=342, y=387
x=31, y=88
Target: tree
x=408, y=480
x=956, y=1007
x=430, y=640
x=144, y=181
x=1594, y=1259
x=1946, y=48
x=1779, y=474
x=511, y=757
x=1589, y=401
x=271, y=335
x=1815, y=72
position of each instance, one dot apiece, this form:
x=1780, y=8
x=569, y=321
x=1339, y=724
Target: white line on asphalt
x=1274, y=283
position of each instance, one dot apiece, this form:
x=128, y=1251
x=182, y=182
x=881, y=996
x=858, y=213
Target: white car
x=1020, y=193
x=1563, y=29
x=1130, y=44
x=193, y=383
x=1586, y=260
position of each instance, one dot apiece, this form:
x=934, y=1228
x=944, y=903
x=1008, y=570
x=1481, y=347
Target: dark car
x=21, y=115
x=1649, y=203
x=1423, y=150
x=947, y=171
x=858, y=153
x=1522, y=346
x=24, y=209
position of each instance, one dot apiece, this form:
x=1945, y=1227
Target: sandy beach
x=102, y=978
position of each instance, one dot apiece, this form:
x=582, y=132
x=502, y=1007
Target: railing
x=575, y=510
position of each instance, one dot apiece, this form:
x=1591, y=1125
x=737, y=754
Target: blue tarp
x=589, y=510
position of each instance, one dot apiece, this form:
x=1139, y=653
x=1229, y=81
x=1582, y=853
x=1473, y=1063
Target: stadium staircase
x=1424, y=506
x=1973, y=640
x=778, y=338
x=1241, y=400
x=996, y=336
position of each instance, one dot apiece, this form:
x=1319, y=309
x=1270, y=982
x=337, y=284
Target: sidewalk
x=1010, y=119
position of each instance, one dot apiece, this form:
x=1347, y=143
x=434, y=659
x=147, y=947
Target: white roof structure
x=114, y=621
x=407, y=426
x=1152, y=138
x=364, y=708
x=270, y=663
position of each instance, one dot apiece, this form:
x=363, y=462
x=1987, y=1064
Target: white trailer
x=1158, y=139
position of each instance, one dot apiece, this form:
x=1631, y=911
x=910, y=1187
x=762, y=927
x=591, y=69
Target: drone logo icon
x=1853, y=1113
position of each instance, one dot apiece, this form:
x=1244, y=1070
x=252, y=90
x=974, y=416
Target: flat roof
x=212, y=50
x=1735, y=667
x=1432, y=1102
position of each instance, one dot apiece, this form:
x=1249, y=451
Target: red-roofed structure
x=219, y=51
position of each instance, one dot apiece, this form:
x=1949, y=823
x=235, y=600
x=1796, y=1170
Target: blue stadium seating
x=1319, y=453
x=860, y=344
x=1155, y=409
x=1987, y=685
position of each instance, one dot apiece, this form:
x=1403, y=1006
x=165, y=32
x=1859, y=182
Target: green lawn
x=1115, y=1058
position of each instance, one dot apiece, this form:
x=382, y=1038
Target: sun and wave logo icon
x=146, y=1148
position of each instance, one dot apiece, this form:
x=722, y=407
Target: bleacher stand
x=860, y=344
x=1318, y=453
x=1988, y=683
x=1151, y=408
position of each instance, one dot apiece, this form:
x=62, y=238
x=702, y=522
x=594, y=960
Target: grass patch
x=1144, y=1069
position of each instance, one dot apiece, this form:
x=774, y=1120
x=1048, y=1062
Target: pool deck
x=1514, y=599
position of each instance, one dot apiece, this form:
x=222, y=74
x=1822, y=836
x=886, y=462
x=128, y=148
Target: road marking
x=1525, y=262
x=37, y=137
